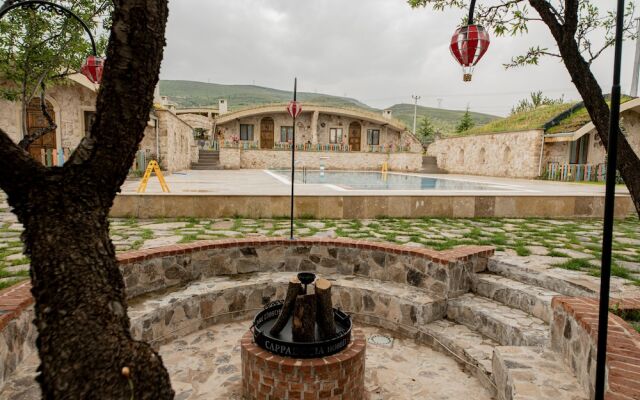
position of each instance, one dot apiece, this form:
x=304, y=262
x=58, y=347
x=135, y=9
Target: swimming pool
x=371, y=180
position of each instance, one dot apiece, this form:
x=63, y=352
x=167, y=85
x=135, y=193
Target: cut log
x=293, y=291
x=303, y=324
x=326, y=321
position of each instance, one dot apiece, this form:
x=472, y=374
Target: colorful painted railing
x=53, y=157
x=576, y=172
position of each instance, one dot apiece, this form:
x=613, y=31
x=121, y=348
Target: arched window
x=461, y=156
x=482, y=156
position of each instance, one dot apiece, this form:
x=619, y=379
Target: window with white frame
x=335, y=135
x=246, y=132
x=286, y=134
x=373, y=137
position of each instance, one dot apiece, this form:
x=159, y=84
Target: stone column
x=314, y=127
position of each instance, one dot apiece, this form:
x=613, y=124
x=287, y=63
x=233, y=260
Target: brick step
x=532, y=373
x=208, y=157
x=208, y=162
x=166, y=316
x=530, y=299
x=565, y=282
x=473, y=350
x=507, y=326
x=430, y=166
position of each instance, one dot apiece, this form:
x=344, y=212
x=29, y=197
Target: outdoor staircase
x=208, y=160
x=430, y=166
x=500, y=332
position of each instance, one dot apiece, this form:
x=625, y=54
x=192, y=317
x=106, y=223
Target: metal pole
x=415, y=111
x=607, y=236
x=636, y=65
x=293, y=152
x=472, y=7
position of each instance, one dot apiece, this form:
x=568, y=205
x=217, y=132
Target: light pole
x=609, y=205
x=415, y=111
x=294, y=110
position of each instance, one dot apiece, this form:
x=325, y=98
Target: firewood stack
x=307, y=310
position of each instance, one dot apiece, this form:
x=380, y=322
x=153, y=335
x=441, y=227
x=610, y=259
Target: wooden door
x=267, y=127
x=355, y=135
x=36, y=120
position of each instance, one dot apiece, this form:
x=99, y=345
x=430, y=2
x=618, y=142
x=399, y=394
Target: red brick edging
x=623, y=345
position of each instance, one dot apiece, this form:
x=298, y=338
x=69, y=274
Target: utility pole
x=415, y=111
x=636, y=66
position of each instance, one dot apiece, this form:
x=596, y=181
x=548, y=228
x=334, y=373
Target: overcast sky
x=377, y=51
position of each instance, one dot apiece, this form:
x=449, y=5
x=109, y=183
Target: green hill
x=193, y=94
x=443, y=120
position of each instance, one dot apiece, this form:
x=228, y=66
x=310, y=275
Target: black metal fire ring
x=284, y=346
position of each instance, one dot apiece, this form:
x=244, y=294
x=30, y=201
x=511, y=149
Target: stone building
x=333, y=137
x=72, y=106
x=574, y=154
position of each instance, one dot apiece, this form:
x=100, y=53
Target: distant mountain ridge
x=192, y=94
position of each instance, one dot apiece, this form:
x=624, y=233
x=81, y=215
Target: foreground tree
x=84, y=344
x=577, y=26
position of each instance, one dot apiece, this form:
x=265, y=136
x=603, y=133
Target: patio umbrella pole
x=607, y=236
x=293, y=153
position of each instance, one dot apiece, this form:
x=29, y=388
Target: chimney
x=386, y=114
x=222, y=106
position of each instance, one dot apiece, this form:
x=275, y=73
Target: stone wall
x=441, y=273
x=277, y=159
x=509, y=154
x=178, y=149
x=17, y=332
x=574, y=335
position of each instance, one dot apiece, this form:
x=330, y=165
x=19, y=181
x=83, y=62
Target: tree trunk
x=84, y=341
x=293, y=291
x=303, y=325
x=591, y=93
x=326, y=321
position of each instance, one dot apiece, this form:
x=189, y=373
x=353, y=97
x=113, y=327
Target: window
x=89, y=118
x=246, y=132
x=335, y=135
x=579, y=150
x=286, y=134
x=373, y=137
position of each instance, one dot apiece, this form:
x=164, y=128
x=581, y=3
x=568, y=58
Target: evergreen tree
x=426, y=131
x=465, y=123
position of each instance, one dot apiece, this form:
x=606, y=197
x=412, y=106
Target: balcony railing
x=337, y=148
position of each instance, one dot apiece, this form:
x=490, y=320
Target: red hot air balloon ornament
x=468, y=44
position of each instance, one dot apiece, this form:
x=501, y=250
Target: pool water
x=370, y=180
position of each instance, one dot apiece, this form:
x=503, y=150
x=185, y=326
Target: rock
x=161, y=241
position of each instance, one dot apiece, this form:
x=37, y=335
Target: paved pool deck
x=263, y=194
x=266, y=183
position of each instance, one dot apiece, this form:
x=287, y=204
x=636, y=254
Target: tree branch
x=548, y=15
x=570, y=17
x=19, y=169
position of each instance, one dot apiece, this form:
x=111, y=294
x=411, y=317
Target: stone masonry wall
x=275, y=159
x=574, y=332
x=176, y=142
x=509, y=154
x=441, y=273
x=69, y=104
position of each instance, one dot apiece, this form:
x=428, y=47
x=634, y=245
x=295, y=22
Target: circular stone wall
x=268, y=376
